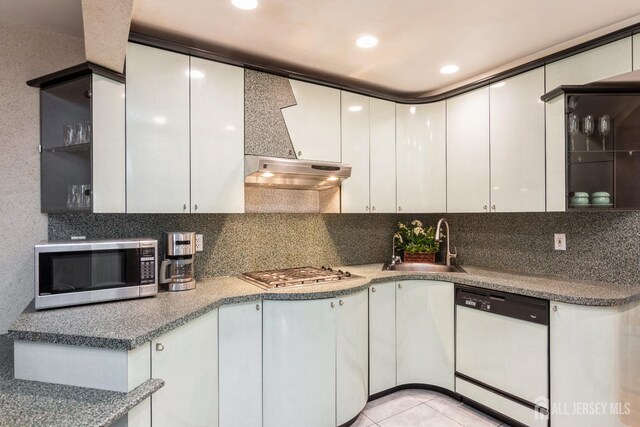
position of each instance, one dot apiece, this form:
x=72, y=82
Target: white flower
x=418, y=231
x=416, y=223
x=401, y=225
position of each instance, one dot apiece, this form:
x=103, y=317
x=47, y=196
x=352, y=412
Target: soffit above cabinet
x=416, y=40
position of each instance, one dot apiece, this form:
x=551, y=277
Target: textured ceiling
x=58, y=16
x=417, y=37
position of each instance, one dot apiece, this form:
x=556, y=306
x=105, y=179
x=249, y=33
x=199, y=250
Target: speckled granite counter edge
x=297, y=294
x=134, y=398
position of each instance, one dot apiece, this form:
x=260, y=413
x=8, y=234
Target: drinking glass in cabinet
x=85, y=191
x=587, y=128
x=573, y=130
x=604, y=128
x=73, y=197
x=69, y=132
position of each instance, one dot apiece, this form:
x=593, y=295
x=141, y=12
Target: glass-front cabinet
x=602, y=145
x=82, y=140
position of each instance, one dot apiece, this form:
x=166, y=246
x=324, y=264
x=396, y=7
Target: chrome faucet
x=395, y=259
x=449, y=256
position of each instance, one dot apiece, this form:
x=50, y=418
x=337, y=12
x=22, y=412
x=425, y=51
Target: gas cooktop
x=295, y=277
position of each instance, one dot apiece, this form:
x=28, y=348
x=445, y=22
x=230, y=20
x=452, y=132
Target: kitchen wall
x=24, y=54
x=600, y=245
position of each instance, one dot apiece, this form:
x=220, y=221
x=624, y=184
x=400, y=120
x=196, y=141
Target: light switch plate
x=199, y=242
x=560, y=240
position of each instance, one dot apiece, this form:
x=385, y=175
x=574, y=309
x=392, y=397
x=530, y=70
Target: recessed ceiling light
x=245, y=4
x=355, y=108
x=267, y=175
x=366, y=41
x=449, y=69
x=160, y=120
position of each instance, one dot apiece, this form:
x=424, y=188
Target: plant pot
x=420, y=257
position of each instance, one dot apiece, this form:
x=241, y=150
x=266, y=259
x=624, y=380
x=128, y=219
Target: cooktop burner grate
x=292, y=277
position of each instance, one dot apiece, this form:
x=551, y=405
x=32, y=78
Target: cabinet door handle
x=196, y=206
x=555, y=308
x=332, y=304
x=291, y=152
x=299, y=153
x=159, y=347
x=493, y=207
x=341, y=302
x=373, y=208
x=399, y=208
x=400, y=285
x=184, y=207
x=258, y=307
x=366, y=208
x=373, y=289
x=484, y=207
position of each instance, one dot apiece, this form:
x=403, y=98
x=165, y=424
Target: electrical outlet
x=560, y=241
x=199, y=242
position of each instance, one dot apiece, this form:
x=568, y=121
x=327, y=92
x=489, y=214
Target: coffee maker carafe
x=176, y=270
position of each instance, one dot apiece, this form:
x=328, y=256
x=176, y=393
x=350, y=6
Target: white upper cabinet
x=186, y=358
x=158, y=173
x=299, y=363
x=421, y=158
x=108, y=137
x=352, y=356
x=596, y=64
x=240, y=364
x=425, y=333
x=556, y=155
x=355, y=151
x=636, y=52
x=382, y=156
x=314, y=122
x=468, y=152
x=217, y=137
x=517, y=129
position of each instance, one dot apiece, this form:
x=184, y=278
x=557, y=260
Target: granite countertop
x=30, y=403
x=128, y=324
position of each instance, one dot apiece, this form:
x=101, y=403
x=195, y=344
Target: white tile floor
x=422, y=408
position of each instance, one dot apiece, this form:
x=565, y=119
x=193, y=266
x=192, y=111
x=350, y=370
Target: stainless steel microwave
x=88, y=271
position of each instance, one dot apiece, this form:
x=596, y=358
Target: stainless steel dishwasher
x=502, y=353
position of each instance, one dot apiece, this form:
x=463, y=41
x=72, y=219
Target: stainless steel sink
x=424, y=267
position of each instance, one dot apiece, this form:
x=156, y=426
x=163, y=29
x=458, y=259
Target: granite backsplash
x=603, y=246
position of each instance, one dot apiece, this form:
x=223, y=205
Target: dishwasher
x=502, y=353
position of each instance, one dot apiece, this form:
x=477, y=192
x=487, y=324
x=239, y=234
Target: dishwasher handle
x=520, y=307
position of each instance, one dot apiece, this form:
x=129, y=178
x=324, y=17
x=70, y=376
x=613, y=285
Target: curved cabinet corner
x=352, y=356
x=425, y=333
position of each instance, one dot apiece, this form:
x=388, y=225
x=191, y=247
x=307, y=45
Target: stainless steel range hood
x=275, y=172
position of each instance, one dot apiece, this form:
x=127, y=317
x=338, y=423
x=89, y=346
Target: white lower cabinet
x=186, y=359
x=425, y=333
x=240, y=364
x=352, y=356
x=595, y=365
x=382, y=337
x=299, y=363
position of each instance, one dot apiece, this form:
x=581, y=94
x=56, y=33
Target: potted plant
x=416, y=243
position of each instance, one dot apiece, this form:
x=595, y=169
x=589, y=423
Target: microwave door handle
x=163, y=272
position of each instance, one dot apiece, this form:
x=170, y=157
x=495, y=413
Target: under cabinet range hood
x=275, y=172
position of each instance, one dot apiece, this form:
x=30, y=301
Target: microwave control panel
x=147, y=266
